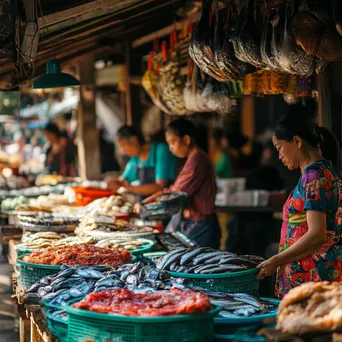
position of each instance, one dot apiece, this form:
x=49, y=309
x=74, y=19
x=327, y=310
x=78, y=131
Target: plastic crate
x=31, y=273
x=232, y=282
x=22, y=251
x=99, y=327
x=57, y=326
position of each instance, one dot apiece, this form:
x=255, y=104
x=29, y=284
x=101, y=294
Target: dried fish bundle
x=171, y=87
x=290, y=95
x=200, y=47
x=246, y=39
x=149, y=82
x=292, y=58
x=216, y=96
x=193, y=92
x=224, y=52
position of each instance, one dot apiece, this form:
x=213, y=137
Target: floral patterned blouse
x=318, y=189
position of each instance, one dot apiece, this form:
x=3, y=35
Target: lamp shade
x=54, y=78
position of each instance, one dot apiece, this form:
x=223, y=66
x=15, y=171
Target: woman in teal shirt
x=151, y=166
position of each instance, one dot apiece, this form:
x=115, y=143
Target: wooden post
x=87, y=132
x=133, y=102
x=24, y=329
x=330, y=101
x=247, y=121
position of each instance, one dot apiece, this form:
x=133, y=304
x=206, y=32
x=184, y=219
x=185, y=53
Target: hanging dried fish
x=247, y=39
x=193, y=91
x=292, y=58
x=149, y=82
x=308, y=29
x=200, y=47
x=216, y=95
x=171, y=87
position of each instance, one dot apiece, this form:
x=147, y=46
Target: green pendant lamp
x=54, y=78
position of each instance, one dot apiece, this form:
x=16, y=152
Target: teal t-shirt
x=159, y=157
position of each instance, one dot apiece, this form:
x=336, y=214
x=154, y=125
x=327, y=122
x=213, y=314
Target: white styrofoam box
x=248, y=198
x=231, y=185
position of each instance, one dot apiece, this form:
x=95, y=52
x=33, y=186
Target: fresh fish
x=132, y=279
x=137, y=266
x=153, y=273
x=67, y=284
x=124, y=275
x=84, y=288
x=45, y=281
x=254, y=258
x=165, y=260
x=51, y=296
x=107, y=282
x=214, y=260
x=34, y=288
x=191, y=269
x=201, y=268
x=56, y=281
x=173, y=266
x=74, y=292
x=66, y=273
x=43, y=291
x=180, y=269
x=62, y=298
x=192, y=254
x=237, y=261
x=89, y=273
x=199, y=259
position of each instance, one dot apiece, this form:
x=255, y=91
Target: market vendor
x=197, y=179
x=61, y=153
x=310, y=243
x=151, y=166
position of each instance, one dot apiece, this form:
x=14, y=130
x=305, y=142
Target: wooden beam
x=97, y=9
x=165, y=31
x=87, y=132
x=107, y=22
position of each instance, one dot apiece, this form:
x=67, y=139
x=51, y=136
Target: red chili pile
x=160, y=303
x=84, y=255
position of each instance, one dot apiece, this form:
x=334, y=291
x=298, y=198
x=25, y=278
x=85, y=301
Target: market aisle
x=7, y=322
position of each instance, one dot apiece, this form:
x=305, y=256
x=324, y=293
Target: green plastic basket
x=146, y=248
x=232, y=282
x=57, y=326
x=22, y=251
x=31, y=273
x=99, y=327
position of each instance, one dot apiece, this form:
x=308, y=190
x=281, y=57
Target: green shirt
x=159, y=157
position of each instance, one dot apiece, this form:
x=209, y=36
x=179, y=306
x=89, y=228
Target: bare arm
x=147, y=189
x=305, y=246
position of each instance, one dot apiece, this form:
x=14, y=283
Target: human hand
x=152, y=198
x=113, y=183
x=267, y=268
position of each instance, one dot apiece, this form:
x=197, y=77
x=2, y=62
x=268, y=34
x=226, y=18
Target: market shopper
x=197, y=179
x=61, y=153
x=151, y=166
x=310, y=243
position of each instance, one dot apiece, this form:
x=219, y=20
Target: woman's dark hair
x=305, y=127
x=126, y=132
x=196, y=131
x=52, y=128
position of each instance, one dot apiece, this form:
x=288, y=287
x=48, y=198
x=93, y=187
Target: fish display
x=110, y=206
x=239, y=304
x=77, y=281
x=175, y=240
x=310, y=308
x=203, y=260
x=70, y=282
x=40, y=240
x=162, y=303
x=84, y=255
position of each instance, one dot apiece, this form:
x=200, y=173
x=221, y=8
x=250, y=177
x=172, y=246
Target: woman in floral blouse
x=311, y=241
